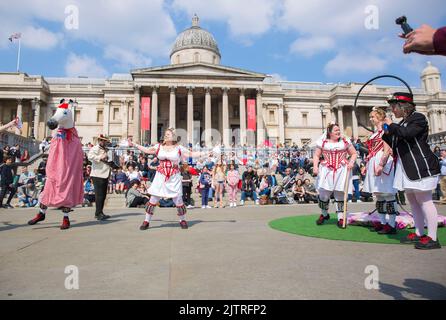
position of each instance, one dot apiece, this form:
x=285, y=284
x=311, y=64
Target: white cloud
x=127, y=59
x=345, y=63
x=244, y=18
x=312, y=45
x=40, y=38
x=141, y=29
x=83, y=65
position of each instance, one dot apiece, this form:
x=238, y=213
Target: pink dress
x=64, y=176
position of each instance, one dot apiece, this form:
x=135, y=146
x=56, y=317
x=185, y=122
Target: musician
x=417, y=168
x=100, y=173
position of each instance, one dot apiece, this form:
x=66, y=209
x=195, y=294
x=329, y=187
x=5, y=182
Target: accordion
x=113, y=159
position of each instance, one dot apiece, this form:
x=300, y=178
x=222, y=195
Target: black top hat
x=401, y=97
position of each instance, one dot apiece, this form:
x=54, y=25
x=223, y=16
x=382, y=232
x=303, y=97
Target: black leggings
x=4, y=190
x=138, y=201
x=187, y=190
x=100, y=192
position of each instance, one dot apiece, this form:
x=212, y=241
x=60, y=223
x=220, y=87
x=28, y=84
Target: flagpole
x=18, y=58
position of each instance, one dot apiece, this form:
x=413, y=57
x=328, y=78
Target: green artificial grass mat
x=306, y=226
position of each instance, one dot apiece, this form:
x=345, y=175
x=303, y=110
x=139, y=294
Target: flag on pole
x=15, y=35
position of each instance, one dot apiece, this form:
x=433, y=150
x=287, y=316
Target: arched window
x=214, y=59
x=196, y=57
x=177, y=58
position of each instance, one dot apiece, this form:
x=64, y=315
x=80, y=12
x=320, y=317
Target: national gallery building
x=207, y=101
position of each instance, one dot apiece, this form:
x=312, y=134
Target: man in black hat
x=417, y=168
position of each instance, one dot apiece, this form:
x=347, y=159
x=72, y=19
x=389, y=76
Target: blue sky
x=317, y=40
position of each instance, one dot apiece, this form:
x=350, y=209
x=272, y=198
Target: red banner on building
x=251, y=114
x=145, y=113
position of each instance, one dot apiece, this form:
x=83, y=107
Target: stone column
x=340, y=119
x=431, y=115
x=154, y=116
x=125, y=118
x=207, y=117
x=438, y=120
x=172, y=109
x=190, y=114
x=281, y=125
x=226, y=128
x=36, y=108
x=137, y=114
x=443, y=119
x=20, y=109
x=106, y=118
x=355, y=124
x=260, y=127
x=332, y=115
x=242, y=117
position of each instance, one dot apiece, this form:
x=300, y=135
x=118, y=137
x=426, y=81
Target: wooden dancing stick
x=346, y=183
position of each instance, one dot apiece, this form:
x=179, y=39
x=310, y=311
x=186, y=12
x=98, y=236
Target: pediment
x=197, y=70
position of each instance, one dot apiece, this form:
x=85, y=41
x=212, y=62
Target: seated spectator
x=152, y=168
x=121, y=181
x=143, y=167
x=89, y=196
x=248, y=190
x=134, y=197
x=133, y=174
x=299, y=191
x=264, y=186
x=302, y=175
x=28, y=194
x=25, y=176
x=310, y=192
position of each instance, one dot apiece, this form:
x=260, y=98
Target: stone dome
x=430, y=70
x=195, y=38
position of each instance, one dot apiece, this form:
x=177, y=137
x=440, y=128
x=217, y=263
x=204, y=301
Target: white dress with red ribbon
x=168, y=180
x=332, y=169
x=384, y=182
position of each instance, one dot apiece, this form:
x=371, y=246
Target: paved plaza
x=225, y=254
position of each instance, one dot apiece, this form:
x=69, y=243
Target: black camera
x=402, y=21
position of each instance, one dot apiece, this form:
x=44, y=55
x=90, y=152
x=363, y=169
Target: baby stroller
x=279, y=193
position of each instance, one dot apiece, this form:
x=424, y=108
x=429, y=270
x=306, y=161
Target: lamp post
x=321, y=107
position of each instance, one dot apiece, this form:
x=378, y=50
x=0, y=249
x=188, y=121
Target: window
x=132, y=110
x=100, y=117
x=196, y=57
x=271, y=116
x=77, y=115
x=235, y=111
x=324, y=120
x=214, y=59
x=177, y=58
x=115, y=113
x=304, y=119
x=285, y=117
x=115, y=139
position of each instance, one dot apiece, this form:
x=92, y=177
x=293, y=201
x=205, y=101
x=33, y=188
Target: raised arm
x=9, y=125
x=151, y=150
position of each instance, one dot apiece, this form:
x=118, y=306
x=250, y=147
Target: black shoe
x=4, y=206
x=340, y=224
x=411, y=238
x=322, y=219
x=183, y=224
x=102, y=217
x=387, y=229
x=9, y=206
x=426, y=243
x=144, y=226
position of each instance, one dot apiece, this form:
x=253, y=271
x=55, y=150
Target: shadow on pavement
x=190, y=223
x=421, y=288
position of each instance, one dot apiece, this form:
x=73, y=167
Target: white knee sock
x=392, y=220
x=148, y=217
x=183, y=217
